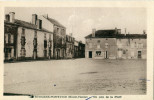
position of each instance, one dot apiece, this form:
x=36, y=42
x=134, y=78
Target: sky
x=81, y=20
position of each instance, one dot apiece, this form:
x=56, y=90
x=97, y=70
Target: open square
x=76, y=77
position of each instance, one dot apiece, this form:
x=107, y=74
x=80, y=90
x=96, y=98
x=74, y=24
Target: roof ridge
x=54, y=21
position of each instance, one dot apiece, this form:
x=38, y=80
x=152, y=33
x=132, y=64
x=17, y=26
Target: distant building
x=69, y=46
x=25, y=40
x=59, y=36
x=111, y=44
x=81, y=49
x=76, y=49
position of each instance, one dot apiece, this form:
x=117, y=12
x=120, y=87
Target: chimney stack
x=93, y=32
x=7, y=17
x=12, y=17
x=71, y=34
x=116, y=30
x=144, y=32
x=39, y=24
x=34, y=19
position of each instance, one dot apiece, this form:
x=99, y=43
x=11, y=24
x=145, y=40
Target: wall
x=29, y=36
x=46, y=24
x=131, y=46
x=111, y=48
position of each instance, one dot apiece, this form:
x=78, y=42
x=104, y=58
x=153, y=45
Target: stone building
x=59, y=35
x=24, y=40
x=111, y=44
x=69, y=46
x=76, y=49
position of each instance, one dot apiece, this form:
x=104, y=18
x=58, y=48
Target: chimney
x=144, y=32
x=46, y=16
x=119, y=31
x=12, y=16
x=34, y=19
x=93, y=32
x=116, y=30
x=39, y=24
x=7, y=17
x=71, y=34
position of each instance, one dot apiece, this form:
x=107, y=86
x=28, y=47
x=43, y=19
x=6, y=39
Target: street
x=76, y=77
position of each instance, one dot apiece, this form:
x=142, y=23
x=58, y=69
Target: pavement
x=76, y=77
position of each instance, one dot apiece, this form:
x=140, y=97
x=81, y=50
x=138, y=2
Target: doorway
x=106, y=54
x=90, y=54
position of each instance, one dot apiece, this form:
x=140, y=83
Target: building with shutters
x=111, y=44
x=24, y=40
x=59, y=36
x=69, y=46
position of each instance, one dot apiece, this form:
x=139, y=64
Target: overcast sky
x=81, y=21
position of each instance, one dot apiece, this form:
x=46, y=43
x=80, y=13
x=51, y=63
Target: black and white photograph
x=75, y=51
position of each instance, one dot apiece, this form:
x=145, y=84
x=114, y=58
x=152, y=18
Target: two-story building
x=59, y=35
x=69, y=46
x=111, y=44
x=131, y=46
x=26, y=40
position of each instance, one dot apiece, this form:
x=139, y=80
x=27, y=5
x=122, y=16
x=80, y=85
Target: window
x=140, y=45
x=45, y=44
x=124, y=52
x=49, y=43
x=132, y=45
x=23, y=32
x=35, y=34
x=45, y=36
x=58, y=30
x=23, y=52
x=98, y=46
x=98, y=53
x=135, y=44
x=106, y=45
x=22, y=41
x=90, y=45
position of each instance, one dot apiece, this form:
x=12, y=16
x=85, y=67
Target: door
x=8, y=53
x=139, y=54
x=106, y=55
x=90, y=54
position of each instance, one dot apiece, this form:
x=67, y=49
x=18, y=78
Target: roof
x=112, y=34
x=103, y=34
x=54, y=22
x=27, y=25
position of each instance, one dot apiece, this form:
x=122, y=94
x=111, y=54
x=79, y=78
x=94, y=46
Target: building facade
x=59, y=36
x=76, y=49
x=30, y=40
x=69, y=46
x=111, y=44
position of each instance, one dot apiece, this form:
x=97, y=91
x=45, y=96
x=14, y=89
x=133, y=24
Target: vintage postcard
x=77, y=50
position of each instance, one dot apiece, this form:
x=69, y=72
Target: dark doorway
x=139, y=54
x=106, y=55
x=90, y=54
